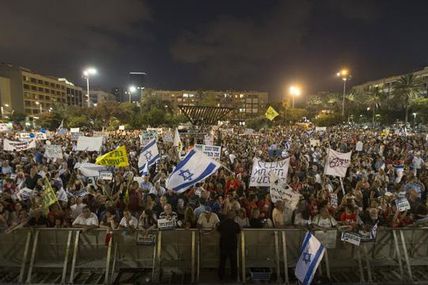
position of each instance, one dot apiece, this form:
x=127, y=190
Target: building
x=118, y=93
x=386, y=84
x=100, y=96
x=26, y=92
x=245, y=103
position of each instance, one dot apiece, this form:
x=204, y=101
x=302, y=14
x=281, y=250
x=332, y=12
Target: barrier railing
x=396, y=256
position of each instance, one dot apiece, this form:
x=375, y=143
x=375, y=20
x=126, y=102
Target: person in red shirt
x=349, y=217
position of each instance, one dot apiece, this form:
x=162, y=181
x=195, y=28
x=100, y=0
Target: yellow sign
x=271, y=113
x=49, y=196
x=117, y=157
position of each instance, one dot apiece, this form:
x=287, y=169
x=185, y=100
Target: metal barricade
x=14, y=255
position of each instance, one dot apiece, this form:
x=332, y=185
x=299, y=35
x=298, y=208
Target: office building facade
x=26, y=92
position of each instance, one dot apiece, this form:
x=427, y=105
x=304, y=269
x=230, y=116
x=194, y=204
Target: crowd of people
x=385, y=184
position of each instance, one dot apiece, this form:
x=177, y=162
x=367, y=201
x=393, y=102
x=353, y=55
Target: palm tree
x=407, y=88
x=373, y=98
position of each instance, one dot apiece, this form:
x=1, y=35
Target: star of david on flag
x=149, y=155
x=311, y=254
x=194, y=168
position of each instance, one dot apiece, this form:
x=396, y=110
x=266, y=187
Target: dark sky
x=222, y=44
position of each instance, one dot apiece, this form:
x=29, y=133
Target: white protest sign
x=90, y=169
x=168, y=137
x=248, y=132
x=53, y=151
x=333, y=200
x=327, y=238
x=147, y=136
x=4, y=127
x=337, y=163
x=320, y=129
x=351, y=238
x=210, y=150
x=402, y=204
x=121, y=128
x=280, y=191
x=260, y=174
x=75, y=136
x=74, y=130
x=314, y=143
x=9, y=145
x=359, y=146
x=89, y=143
x=166, y=224
x=106, y=175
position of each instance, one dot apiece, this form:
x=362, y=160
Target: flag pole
x=341, y=186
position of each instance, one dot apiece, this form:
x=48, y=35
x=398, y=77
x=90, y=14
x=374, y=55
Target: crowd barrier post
x=406, y=255
x=113, y=266
x=198, y=258
x=397, y=250
x=284, y=252
x=327, y=264
x=192, y=277
x=360, y=265
x=67, y=253
x=278, y=270
x=243, y=271
x=238, y=259
x=73, y=262
x=24, y=259
x=33, y=256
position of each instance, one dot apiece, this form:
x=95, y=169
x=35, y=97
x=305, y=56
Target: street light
x=132, y=89
x=88, y=72
x=414, y=118
x=345, y=76
x=40, y=106
x=294, y=91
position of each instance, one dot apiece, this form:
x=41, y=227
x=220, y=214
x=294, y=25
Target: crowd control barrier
x=73, y=256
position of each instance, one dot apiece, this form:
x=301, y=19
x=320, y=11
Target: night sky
x=223, y=44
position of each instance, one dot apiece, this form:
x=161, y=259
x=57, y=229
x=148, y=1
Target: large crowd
x=384, y=168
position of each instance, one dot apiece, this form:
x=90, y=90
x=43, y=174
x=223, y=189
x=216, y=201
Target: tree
x=373, y=99
x=406, y=89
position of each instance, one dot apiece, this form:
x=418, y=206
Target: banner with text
x=53, y=151
x=337, y=163
x=9, y=145
x=212, y=151
x=261, y=171
x=89, y=143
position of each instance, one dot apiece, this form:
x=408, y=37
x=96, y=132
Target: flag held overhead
x=271, y=113
x=117, y=157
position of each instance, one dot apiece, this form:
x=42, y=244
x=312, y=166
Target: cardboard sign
x=327, y=238
x=212, y=151
x=74, y=130
x=106, y=175
x=351, y=238
x=402, y=204
x=260, y=174
x=279, y=190
x=53, y=151
x=337, y=163
x=165, y=224
x=89, y=143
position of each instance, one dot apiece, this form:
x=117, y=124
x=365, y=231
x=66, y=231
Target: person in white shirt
x=76, y=209
x=158, y=190
x=128, y=221
x=86, y=219
x=208, y=220
x=323, y=220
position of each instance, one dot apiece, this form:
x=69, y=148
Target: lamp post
x=345, y=76
x=294, y=91
x=87, y=73
x=414, y=119
x=131, y=90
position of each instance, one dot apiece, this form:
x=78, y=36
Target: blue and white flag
x=311, y=254
x=195, y=167
x=148, y=156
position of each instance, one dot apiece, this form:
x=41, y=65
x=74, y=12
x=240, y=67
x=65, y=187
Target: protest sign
x=260, y=174
x=327, y=238
x=89, y=143
x=337, y=163
x=320, y=129
x=359, y=146
x=75, y=136
x=248, y=132
x=280, y=191
x=402, y=204
x=9, y=145
x=314, y=143
x=5, y=127
x=74, y=130
x=166, y=224
x=351, y=238
x=106, y=175
x=333, y=200
x=121, y=128
x=49, y=196
x=90, y=169
x=210, y=150
x=53, y=151
x=117, y=157
x=168, y=137
x=147, y=136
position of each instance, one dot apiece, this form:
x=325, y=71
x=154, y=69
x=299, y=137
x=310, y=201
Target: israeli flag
x=194, y=168
x=148, y=156
x=311, y=254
